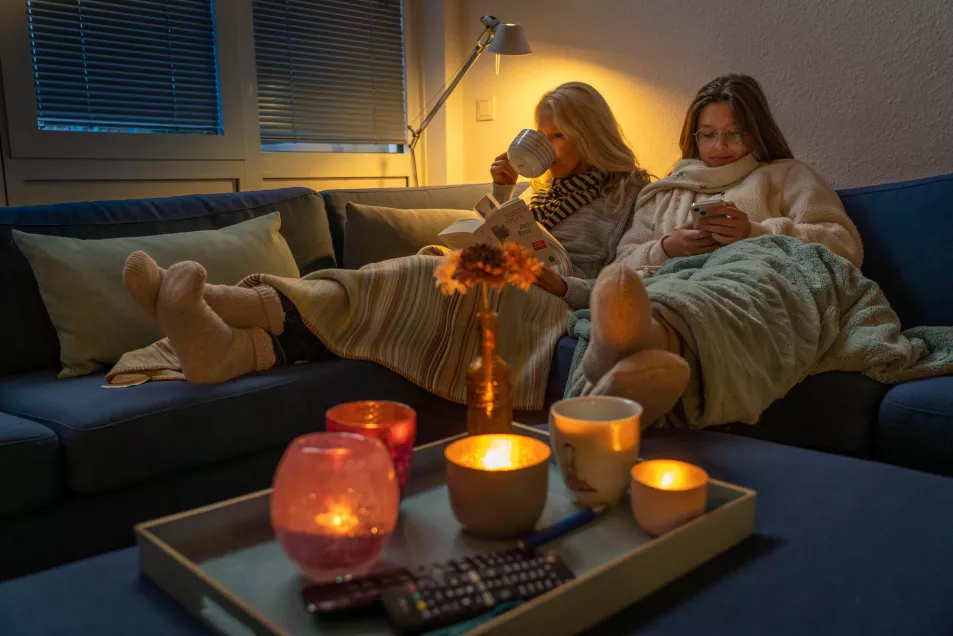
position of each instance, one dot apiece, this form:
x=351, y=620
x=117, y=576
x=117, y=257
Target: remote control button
x=465, y=601
x=488, y=599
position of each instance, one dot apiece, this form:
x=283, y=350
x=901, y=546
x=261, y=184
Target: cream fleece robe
x=784, y=197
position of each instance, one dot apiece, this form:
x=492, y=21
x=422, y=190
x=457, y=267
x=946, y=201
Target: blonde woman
x=586, y=198
x=391, y=313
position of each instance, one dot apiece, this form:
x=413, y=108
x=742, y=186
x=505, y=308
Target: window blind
x=141, y=66
x=330, y=71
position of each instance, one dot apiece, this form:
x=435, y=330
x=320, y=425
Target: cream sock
x=655, y=379
x=243, y=307
x=209, y=350
x=622, y=321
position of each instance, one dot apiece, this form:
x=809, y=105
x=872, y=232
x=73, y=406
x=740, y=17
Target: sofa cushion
x=29, y=465
x=31, y=342
x=916, y=425
x=453, y=197
x=119, y=436
x=97, y=319
x=906, y=228
x=834, y=412
x=379, y=233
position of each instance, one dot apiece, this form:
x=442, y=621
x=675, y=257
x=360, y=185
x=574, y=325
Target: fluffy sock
x=622, y=321
x=655, y=379
x=244, y=307
x=209, y=350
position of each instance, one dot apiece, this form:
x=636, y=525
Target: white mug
x=596, y=442
x=531, y=154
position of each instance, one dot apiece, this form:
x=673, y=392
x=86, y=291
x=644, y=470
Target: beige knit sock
x=655, y=379
x=243, y=307
x=209, y=350
x=622, y=321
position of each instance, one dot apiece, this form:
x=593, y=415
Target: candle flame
x=337, y=520
x=667, y=480
x=498, y=455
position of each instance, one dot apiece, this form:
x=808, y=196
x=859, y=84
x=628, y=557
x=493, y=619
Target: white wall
x=862, y=90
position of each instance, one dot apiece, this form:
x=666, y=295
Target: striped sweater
x=590, y=236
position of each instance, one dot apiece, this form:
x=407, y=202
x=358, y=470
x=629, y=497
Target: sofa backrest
x=907, y=229
x=30, y=341
x=452, y=197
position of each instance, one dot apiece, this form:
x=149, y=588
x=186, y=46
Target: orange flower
x=522, y=268
x=445, y=273
x=489, y=265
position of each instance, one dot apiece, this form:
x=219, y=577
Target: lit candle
x=334, y=504
x=666, y=493
x=497, y=483
x=394, y=424
x=339, y=520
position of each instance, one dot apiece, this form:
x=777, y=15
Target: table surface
x=841, y=545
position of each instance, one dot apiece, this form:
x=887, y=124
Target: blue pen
x=559, y=529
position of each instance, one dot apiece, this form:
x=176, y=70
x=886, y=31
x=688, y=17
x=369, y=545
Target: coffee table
x=842, y=546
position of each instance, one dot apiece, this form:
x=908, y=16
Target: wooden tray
x=223, y=564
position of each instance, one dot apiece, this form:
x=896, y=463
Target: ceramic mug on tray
x=596, y=442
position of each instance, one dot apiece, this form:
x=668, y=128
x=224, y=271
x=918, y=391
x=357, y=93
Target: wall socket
x=486, y=109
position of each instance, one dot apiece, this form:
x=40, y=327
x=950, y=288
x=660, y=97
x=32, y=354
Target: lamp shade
x=509, y=39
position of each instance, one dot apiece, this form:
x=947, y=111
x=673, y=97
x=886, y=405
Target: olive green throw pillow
x=375, y=233
x=97, y=320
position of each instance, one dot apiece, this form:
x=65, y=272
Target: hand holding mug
x=501, y=172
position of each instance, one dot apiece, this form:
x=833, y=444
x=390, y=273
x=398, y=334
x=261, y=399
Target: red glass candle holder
x=392, y=423
x=335, y=504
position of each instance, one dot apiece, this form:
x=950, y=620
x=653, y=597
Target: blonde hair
x=584, y=116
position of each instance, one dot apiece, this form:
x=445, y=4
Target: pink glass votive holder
x=335, y=504
x=393, y=423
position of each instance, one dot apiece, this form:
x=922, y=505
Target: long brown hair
x=584, y=116
x=747, y=100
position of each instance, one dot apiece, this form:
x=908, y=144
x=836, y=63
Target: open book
x=511, y=221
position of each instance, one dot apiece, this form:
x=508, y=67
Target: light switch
x=485, y=109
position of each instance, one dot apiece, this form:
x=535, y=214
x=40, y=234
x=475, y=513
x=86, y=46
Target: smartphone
x=700, y=210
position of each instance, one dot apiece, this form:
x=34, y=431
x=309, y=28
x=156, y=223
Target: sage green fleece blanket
x=761, y=315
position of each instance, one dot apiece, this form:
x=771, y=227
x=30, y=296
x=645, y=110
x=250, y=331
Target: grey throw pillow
x=375, y=233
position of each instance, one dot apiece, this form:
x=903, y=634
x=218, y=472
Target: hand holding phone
x=701, y=210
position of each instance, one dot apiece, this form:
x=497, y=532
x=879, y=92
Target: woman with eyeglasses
x=734, y=152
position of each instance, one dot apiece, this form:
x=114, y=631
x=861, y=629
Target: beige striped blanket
x=393, y=314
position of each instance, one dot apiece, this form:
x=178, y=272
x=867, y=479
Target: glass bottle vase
x=489, y=406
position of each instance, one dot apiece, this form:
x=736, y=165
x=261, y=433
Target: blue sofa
x=79, y=466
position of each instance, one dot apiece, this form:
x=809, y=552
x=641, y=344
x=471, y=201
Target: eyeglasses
x=708, y=138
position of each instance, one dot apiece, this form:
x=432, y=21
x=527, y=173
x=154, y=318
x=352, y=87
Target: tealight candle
x=335, y=504
x=392, y=423
x=666, y=493
x=497, y=483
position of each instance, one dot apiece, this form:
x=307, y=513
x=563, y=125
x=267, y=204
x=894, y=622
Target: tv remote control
x=458, y=590
x=352, y=596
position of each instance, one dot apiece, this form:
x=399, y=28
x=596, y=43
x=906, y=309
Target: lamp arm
x=482, y=42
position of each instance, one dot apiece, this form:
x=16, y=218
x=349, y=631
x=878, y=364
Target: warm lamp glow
x=497, y=452
x=668, y=474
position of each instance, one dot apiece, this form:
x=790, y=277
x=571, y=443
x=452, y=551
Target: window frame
x=26, y=141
